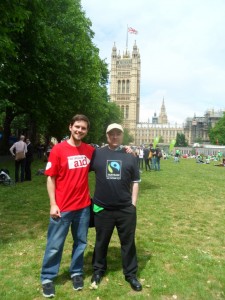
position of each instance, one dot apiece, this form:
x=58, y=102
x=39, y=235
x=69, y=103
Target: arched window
x=128, y=87
x=123, y=87
x=127, y=112
x=122, y=109
x=119, y=87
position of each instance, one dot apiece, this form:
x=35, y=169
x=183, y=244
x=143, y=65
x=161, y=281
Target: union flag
x=132, y=30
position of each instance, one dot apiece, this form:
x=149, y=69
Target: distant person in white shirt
x=19, y=147
x=141, y=158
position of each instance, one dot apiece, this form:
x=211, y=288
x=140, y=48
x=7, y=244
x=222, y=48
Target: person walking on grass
x=157, y=158
x=115, y=200
x=17, y=148
x=146, y=159
x=67, y=185
x=141, y=158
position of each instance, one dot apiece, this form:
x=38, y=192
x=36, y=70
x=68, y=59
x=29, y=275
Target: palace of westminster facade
x=125, y=92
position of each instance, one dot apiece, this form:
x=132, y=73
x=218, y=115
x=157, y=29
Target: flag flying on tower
x=132, y=30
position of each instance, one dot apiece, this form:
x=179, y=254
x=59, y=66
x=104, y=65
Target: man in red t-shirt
x=67, y=184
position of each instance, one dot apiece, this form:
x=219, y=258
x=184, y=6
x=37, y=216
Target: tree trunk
x=4, y=142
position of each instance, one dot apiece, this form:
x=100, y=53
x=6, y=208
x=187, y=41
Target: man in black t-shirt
x=115, y=198
x=146, y=158
x=157, y=158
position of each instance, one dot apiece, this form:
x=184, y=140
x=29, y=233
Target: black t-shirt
x=30, y=151
x=153, y=152
x=114, y=171
x=146, y=153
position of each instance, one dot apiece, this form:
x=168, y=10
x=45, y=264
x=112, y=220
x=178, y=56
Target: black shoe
x=78, y=282
x=135, y=284
x=96, y=278
x=48, y=290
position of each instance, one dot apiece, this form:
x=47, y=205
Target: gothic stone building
x=125, y=86
x=125, y=92
x=196, y=128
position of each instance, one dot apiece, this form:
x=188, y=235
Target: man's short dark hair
x=80, y=117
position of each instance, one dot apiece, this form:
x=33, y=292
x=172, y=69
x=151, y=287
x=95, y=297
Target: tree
x=161, y=140
x=100, y=118
x=12, y=20
x=217, y=133
x=128, y=138
x=53, y=70
x=180, y=140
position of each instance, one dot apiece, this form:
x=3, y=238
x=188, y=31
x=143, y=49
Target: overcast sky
x=182, y=49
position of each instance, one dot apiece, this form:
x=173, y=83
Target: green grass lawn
x=180, y=238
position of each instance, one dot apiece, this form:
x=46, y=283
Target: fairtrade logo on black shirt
x=113, y=169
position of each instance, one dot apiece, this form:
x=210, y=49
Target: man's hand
x=55, y=211
x=128, y=149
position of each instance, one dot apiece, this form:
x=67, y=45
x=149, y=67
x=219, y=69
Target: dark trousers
x=19, y=166
x=147, y=165
x=125, y=222
x=141, y=163
x=28, y=169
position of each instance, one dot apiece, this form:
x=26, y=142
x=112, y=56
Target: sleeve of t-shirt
x=92, y=161
x=135, y=173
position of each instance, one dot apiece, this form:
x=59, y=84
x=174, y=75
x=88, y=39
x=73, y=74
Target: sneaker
x=78, y=282
x=48, y=290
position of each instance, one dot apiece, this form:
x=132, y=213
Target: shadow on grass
x=148, y=185
x=113, y=261
x=24, y=210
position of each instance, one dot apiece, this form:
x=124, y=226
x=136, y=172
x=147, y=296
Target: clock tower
x=125, y=86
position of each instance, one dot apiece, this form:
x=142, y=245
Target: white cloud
x=182, y=48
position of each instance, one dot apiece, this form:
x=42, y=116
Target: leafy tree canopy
x=50, y=69
x=180, y=140
x=128, y=138
x=217, y=133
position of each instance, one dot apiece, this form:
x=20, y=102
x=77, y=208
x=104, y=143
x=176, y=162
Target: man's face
x=114, y=138
x=78, y=130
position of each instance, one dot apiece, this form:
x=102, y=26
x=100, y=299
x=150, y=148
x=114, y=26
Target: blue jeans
x=57, y=233
x=157, y=165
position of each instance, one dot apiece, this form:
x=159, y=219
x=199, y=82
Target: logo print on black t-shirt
x=113, y=169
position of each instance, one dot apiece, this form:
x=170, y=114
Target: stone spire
x=163, y=115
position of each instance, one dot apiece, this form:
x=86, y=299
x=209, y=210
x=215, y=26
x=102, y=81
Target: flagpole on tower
x=132, y=31
x=127, y=39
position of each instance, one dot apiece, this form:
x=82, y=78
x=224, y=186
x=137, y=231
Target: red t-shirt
x=70, y=166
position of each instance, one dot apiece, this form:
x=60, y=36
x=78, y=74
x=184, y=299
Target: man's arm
x=54, y=209
x=12, y=149
x=134, y=191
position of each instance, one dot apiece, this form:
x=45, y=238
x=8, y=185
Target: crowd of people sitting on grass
x=202, y=158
